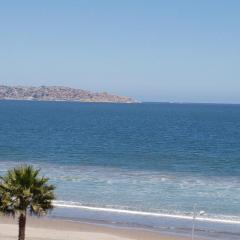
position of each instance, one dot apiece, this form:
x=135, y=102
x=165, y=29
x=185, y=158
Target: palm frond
x=22, y=189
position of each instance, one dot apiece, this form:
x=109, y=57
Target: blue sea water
x=144, y=158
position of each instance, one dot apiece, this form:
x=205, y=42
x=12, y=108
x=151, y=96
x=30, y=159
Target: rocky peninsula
x=59, y=93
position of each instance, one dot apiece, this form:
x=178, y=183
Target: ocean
x=141, y=165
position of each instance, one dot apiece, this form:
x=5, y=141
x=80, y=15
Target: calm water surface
x=160, y=158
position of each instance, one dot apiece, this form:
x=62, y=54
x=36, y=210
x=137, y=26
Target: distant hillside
x=58, y=93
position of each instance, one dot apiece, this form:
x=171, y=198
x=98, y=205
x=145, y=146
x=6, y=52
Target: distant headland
x=59, y=93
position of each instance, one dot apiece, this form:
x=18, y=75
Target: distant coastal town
x=59, y=93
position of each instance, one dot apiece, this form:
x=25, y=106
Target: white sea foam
x=64, y=204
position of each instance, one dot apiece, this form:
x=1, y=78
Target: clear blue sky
x=153, y=50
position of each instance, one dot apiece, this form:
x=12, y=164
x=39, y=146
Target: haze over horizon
x=156, y=51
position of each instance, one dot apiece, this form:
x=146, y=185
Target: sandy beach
x=56, y=229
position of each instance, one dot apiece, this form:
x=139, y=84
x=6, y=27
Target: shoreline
x=63, y=204
x=160, y=223
x=62, y=229
x=68, y=101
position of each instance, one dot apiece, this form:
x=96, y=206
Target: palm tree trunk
x=22, y=226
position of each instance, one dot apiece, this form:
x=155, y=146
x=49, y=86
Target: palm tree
x=23, y=191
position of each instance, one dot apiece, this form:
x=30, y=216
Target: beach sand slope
x=52, y=229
